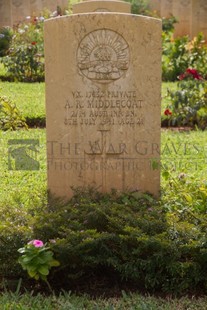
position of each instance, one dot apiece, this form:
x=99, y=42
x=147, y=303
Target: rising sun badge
x=103, y=56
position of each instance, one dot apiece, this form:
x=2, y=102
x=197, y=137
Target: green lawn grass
x=184, y=152
x=28, y=97
x=22, y=188
x=72, y=302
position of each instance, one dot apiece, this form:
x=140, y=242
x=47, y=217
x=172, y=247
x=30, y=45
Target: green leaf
x=44, y=270
x=27, y=259
x=166, y=174
x=32, y=274
x=54, y=263
x=188, y=197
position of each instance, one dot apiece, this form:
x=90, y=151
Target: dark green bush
x=5, y=40
x=128, y=238
x=168, y=24
x=140, y=7
x=14, y=232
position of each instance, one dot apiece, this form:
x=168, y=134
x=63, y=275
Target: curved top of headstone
x=102, y=6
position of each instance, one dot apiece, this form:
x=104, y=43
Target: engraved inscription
x=103, y=56
x=101, y=148
x=92, y=108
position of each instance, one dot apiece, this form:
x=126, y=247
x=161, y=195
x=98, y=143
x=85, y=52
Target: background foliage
x=188, y=104
x=5, y=40
x=24, y=59
x=182, y=53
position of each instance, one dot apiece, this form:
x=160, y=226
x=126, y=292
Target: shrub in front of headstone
x=127, y=238
x=5, y=40
x=25, y=57
x=188, y=104
x=14, y=232
x=99, y=233
x=10, y=116
x=180, y=54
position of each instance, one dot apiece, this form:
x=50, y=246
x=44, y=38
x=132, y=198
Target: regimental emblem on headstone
x=103, y=56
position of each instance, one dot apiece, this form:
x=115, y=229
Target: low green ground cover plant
x=134, y=240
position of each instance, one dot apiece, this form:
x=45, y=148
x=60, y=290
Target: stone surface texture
x=103, y=81
x=102, y=6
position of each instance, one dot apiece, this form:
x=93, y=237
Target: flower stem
x=49, y=286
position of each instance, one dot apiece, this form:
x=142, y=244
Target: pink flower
x=37, y=243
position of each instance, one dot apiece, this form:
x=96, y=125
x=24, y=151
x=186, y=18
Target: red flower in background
x=190, y=72
x=167, y=112
x=181, y=76
x=194, y=73
x=33, y=43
